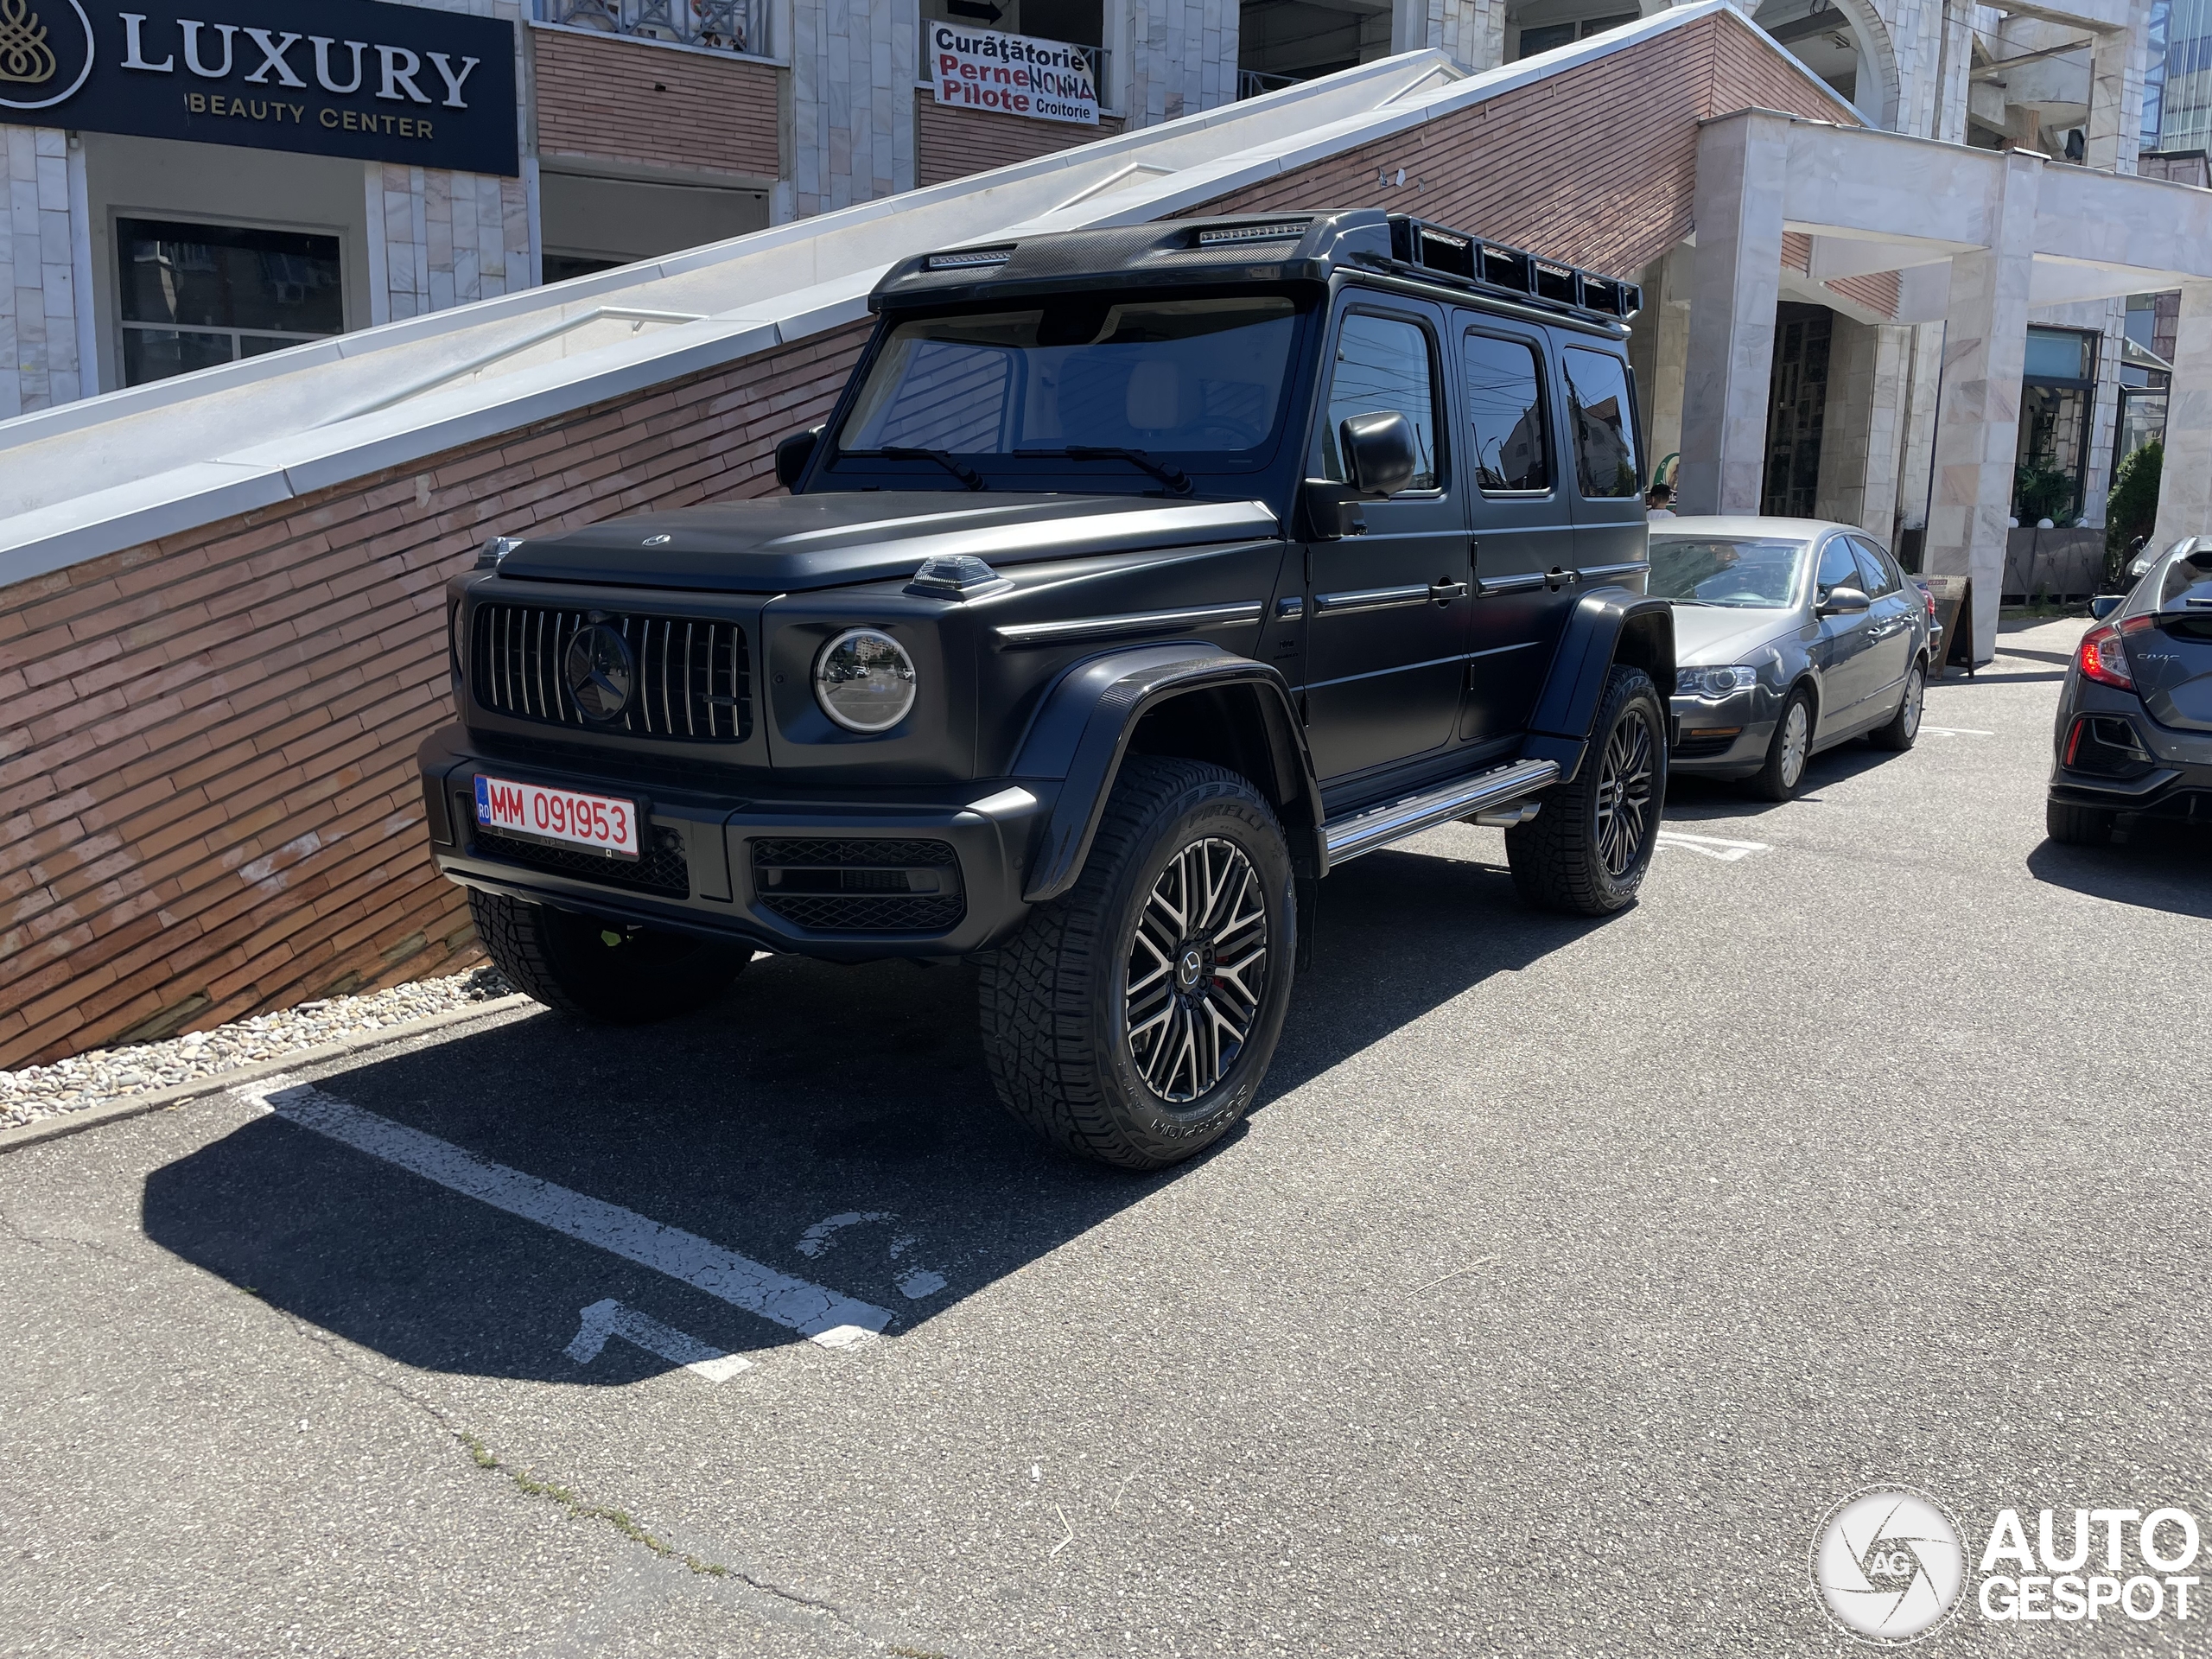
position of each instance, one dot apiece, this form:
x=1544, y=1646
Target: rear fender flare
x=1609, y=624
x=1082, y=733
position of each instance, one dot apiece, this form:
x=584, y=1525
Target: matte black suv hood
x=791, y=543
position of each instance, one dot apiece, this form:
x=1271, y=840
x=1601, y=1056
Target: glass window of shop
x=194, y=295
x=2057, y=392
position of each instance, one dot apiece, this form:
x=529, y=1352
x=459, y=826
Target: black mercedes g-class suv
x=1141, y=577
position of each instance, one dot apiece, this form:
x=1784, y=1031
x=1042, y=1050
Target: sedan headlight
x=1714, y=682
x=864, y=680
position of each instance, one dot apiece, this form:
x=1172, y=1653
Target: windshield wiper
x=1167, y=471
x=944, y=458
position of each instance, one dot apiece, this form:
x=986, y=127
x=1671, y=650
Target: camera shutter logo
x=600, y=672
x=44, y=58
x=1887, y=1564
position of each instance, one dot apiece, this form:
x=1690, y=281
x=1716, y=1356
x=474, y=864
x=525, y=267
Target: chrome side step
x=1379, y=826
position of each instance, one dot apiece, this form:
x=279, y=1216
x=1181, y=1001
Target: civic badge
x=600, y=672
x=657, y=541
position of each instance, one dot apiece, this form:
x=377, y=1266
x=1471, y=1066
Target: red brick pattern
x=1876, y=291
x=207, y=797
x=622, y=100
x=951, y=144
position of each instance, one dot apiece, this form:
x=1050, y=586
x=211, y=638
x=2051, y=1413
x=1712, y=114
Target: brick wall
x=1622, y=129
x=210, y=800
x=622, y=100
x=951, y=144
x=1878, y=290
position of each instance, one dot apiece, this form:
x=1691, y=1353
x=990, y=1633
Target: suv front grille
x=661, y=868
x=861, y=885
x=692, y=676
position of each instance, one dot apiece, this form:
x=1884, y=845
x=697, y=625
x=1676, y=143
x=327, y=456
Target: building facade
x=321, y=184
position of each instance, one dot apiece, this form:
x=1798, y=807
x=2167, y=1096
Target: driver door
x=1389, y=606
x=1844, y=650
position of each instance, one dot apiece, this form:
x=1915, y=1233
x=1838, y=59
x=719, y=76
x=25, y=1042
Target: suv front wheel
x=1587, y=852
x=1131, y=1020
x=617, y=973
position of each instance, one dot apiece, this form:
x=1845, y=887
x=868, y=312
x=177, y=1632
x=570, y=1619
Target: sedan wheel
x=1784, y=770
x=1905, y=725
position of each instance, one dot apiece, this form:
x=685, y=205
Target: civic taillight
x=2103, y=657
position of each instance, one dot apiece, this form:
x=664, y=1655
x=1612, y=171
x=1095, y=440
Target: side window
x=1839, y=566
x=1604, y=429
x=1875, y=568
x=1506, y=403
x=1382, y=366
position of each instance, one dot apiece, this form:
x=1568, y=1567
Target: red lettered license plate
x=595, y=820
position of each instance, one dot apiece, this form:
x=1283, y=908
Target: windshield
x=1757, y=575
x=1199, y=381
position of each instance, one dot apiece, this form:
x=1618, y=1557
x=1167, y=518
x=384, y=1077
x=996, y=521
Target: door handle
x=1557, y=578
x=1444, y=590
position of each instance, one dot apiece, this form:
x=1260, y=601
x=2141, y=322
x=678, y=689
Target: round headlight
x=864, y=680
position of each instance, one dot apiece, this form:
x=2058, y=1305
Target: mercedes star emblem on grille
x=600, y=670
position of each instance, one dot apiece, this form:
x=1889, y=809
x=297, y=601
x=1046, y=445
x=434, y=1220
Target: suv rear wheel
x=1587, y=852
x=1131, y=1020
x=617, y=973
x=2078, y=826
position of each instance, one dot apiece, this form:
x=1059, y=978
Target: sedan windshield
x=1199, y=381
x=1759, y=575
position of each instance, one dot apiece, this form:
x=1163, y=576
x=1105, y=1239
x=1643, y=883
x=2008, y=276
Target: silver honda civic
x=1791, y=635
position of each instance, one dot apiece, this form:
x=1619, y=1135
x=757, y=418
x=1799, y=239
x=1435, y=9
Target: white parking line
x=1728, y=852
x=821, y=1315
x=1952, y=731
x=610, y=1319
x=916, y=1282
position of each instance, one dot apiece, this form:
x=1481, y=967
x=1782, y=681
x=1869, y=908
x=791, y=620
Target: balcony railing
x=1251, y=83
x=716, y=25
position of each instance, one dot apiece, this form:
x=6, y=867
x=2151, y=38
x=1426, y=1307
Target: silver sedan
x=1791, y=635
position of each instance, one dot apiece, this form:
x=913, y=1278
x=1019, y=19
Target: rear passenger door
x=1611, y=537
x=1520, y=527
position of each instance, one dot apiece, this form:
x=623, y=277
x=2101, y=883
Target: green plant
x=2040, y=492
x=2132, y=509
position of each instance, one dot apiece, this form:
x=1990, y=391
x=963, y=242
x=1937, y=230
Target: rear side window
x=1382, y=366
x=1505, y=405
x=1875, y=568
x=1605, y=431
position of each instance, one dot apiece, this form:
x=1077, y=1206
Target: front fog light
x=864, y=680
x=1714, y=682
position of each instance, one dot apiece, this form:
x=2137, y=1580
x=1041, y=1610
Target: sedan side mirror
x=1378, y=452
x=792, y=455
x=2104, y=604
x=1843, y=602
x=2138, y=567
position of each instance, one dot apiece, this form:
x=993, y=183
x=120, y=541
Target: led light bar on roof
x=1465, y=261
x=970, y=260
x=1251, y=233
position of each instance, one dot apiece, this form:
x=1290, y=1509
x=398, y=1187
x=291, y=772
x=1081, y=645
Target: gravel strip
x=105, y=1074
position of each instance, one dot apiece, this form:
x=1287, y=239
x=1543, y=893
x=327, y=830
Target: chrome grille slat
x=519, y=671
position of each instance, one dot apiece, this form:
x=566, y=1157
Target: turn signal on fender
x=2103, y=658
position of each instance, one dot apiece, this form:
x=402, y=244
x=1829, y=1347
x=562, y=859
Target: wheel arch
x=1190, y=701
x=1608, y=626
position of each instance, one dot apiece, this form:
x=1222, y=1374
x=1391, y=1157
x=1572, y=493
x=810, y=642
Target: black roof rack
x=1492, y=267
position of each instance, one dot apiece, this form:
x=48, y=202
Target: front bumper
x=715, y=862
x=2174, y=777
x=1703, y=743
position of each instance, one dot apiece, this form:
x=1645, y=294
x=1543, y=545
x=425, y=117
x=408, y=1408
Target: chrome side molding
x=1133, y=622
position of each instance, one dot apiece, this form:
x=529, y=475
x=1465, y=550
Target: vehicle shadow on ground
x=2162, y=865
x=812, y=1094
x=1693, y=798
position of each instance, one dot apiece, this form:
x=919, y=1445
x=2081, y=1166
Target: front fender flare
x=1083, y=730
x=1588, y=647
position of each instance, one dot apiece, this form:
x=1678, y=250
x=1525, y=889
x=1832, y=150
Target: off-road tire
x=2078, y=826
x=615, y=973
x=1054, y=999
x=1903, y=727
x=1556, y=858
x=1772, y=781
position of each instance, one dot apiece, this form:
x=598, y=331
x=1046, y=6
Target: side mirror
x=792, y=455
x=2138, y=567
x=2104, y=604
x=1378, y=452
x=1843, y=602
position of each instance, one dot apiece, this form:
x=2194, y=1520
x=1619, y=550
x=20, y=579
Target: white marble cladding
x=1472, y=31
x=1182, y=57
x=854, y=67
x=448, y=239
x=38, y=279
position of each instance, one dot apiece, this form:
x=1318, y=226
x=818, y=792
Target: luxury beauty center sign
x=980, y=69
x=380, y=83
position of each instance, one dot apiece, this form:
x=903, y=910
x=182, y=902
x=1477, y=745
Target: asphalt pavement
x=1567, y=1276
